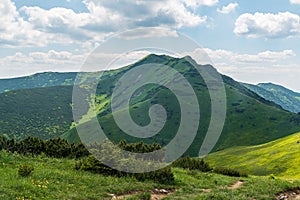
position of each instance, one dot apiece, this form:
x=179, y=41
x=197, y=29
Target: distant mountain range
x=287, y=99
x=46, y=79
x=46, y=112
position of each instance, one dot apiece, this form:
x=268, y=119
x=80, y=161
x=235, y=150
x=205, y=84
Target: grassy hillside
x=46, y=79
x=280, y=157
x=57, y=179
x=250, y=119
x=282, y=96
x=39, y=112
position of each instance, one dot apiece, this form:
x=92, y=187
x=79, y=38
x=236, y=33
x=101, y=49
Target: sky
x=251, y=41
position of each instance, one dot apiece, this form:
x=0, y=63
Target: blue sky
x=251, y=41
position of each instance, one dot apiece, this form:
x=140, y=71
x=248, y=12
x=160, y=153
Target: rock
x=163, y=191
x=156, y=190
x=282, y=197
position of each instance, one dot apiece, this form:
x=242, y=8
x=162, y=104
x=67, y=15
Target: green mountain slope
x=279, y=157
x=287, y=99
x=39, y=112
x=46, y=79
x=250, y=119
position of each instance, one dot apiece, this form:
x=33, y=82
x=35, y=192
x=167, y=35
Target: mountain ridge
x=286, y=98
x=249, y=121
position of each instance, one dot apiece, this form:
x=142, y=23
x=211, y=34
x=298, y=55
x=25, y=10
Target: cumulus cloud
x=228, y=61
x=268, y=25
x=20, y=64
x=39, y=27
x=295, y=1
x=228, y=9
x=265, y=66
x=15, y=30
x=70, y=26
x=144, y=13
x=261, y=57
x=196, y=3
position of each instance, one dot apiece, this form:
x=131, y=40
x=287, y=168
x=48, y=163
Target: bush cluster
x=164, y=175
x=139, y=147
x=57, y=147
x=106, y=152
x=25, y=170
x=229, y=172
x=192, y=164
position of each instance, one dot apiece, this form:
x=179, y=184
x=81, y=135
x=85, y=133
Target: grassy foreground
x=279, y=157
x=57, y=179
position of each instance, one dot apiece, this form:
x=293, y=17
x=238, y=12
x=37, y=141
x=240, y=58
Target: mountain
x=46, y=79
x=250, y=118
x=287, y=99
x=279, y=157
x=46, y=112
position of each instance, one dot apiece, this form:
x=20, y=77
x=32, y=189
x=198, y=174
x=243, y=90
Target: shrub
x=272, y=176
x=93, y=165
x=58, y=148
x=163, y=176
x=107, y=152
x=192, y=164
x=230, y=172
x=25, y=170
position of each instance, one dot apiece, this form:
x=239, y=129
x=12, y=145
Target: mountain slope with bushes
x=47, y=112
x=39, y=112
x=250, y=118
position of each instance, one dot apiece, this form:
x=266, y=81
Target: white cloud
x=265, y=57
x=196, y=3
x=295, y=1
x=21, y=63
x=228, y=9
x=268, y=25
x=145, y=13
x=266, y=66
x=148, y=33
x=15, y=31
x=40, y=27
x=71, y=26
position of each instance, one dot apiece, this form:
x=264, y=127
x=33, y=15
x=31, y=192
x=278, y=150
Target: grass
x=279, y=157
x=57, y=179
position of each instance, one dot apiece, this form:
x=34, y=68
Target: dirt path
x=156, y=194
x=236, y=185
x=291, y=194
